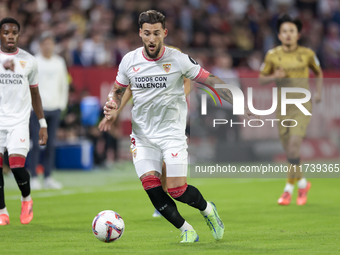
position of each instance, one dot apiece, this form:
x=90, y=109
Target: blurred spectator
x=70, y=128
x=332, y=47
x=223, y=69
x=53, y=87
x=100, y=33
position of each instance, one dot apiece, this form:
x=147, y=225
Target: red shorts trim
x=1, y=162
x=17, y=162
x=34, y=85
x=150, y=182
x=178, y=191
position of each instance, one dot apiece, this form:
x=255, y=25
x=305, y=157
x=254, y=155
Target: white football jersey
x=15, y=96
x=159, y=105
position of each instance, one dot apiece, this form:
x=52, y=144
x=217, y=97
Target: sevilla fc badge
x=22, y=63
x=167, y=67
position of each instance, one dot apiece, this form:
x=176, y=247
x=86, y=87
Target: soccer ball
x=108, y=226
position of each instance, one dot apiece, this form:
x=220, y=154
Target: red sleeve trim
x=34, y=85
x=201, y=76
x=120, y=84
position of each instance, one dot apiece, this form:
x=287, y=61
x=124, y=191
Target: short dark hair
x=151, y=17
x=287, y=18
x=9, y=20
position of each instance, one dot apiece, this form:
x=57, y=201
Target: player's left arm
x=314, y=64
x=38, y=109
x=36, y=102
x=225, y=93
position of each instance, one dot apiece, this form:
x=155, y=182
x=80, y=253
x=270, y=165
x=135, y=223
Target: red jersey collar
x=14, y=53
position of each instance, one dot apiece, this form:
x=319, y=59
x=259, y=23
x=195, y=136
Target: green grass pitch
x=255, y=224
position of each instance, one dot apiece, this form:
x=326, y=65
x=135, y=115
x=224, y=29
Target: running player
x=288, y=65
x=126, y=97
x=18, y=93
x=155, y=73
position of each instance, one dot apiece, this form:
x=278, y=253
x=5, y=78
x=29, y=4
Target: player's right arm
x=116, y=95
x=267, y=73
x=106, y=124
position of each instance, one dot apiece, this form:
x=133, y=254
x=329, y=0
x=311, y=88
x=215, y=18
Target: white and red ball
x=108, y=226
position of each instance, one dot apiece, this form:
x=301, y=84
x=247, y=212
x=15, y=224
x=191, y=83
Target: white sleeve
x=33, y=78
x=64, y=85
x=122, y=79
x=190, y=68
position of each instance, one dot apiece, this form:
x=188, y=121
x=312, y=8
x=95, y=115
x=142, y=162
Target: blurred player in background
x=155, y=73
x=288, y=65
x=53, y=86
x=18, y=93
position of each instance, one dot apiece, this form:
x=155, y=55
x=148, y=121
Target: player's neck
x=158, y=55
x=47, y=55
x=9, y=51
x=289, y=48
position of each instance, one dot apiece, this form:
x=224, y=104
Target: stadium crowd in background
x=101, y=32
x=221, y=35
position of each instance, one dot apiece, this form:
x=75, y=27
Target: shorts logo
x=22, y=63
x=136, y=70
x=174, y=155
x=22, y=140
x=134, y=152
x=133, y=141
x=167, y=67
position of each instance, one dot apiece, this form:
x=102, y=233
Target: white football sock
x=26, y=199
x=302, y=184
x=207, y=210
x=186, y=226
x=289, y=188
x=4, y=211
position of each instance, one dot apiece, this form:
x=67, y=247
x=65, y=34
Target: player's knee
x=293, y=152
x=151, y=181
x=17, y=162
x=178, y=191
x=294, y=161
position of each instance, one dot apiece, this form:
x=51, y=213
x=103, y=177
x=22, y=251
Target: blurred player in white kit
x=18, y=93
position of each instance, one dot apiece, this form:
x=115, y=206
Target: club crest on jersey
x=22, y=63
x=167, y=67
x=134, y=152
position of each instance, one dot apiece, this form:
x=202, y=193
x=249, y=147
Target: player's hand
x=317, y=97
x=109, y=109
x=280, y=73
x=43, y=136
x=9, y=65
x=105, y=124
x=249, y=115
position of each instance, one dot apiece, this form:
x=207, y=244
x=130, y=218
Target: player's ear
x=165, y=32
x=140, y=32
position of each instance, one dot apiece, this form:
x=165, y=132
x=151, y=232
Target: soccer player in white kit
x=155, y=74
x=18, y=93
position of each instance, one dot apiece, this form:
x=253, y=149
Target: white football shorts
x=148, y=155
x=17, y=141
